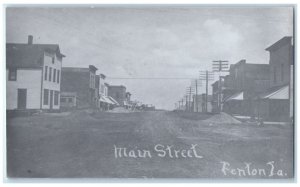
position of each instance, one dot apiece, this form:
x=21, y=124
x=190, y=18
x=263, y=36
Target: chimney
x=30, y=39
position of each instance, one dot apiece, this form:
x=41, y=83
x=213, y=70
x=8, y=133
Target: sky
x=155, y=51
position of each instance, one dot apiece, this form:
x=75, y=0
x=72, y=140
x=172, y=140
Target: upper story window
x=53, y=60
x=54, y=75
x=50, y=73
x=58, y=76
x=46, y=72
x=12, y=74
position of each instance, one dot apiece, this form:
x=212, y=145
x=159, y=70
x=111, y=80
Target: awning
x=102, y=99
x=105, y=99
x=238, y=96
x=113, y=100
x=280, y=93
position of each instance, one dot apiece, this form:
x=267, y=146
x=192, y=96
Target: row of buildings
x=260, y=91
x=36, y=80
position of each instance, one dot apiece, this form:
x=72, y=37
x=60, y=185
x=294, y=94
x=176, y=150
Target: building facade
x=200, y=100
x=243, y=84
x=276, y=103
x=118, y=93
x=82, y=82
x=33, y=76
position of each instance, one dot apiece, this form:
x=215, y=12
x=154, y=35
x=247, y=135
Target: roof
x=239, y=96
x=93, y=68
x=278, y=92
x=283, y=41
x=113, y=100
x=28, y=55
x=102, y=76
x=73, y=69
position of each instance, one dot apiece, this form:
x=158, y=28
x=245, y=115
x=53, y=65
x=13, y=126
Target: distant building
x=33, y=76
x=276, y=103
x=200, y=100
x=82, y=83
x=118, y=93
x=128, y=103
x=243, y=84
x=105, y=102
x=216, y=96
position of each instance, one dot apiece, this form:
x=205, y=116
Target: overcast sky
x=153, y=42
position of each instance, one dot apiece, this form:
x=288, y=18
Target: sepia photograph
x=150, y=92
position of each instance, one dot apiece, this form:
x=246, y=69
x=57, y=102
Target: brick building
x=276, y=103
x=82, y=83
x=243, y=84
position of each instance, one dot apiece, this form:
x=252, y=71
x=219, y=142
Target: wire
x=154, y=78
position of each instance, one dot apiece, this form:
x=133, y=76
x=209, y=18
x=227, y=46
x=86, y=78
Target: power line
x=175, y=78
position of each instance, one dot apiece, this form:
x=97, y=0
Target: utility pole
x=207, y=76
x=196, y=97
x=186, y=103
x=196, y=84
x=189, y=92
x=220, y=66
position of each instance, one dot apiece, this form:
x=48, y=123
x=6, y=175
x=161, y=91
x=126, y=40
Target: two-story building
x=275, y=103
x=243, y=84
x=33, y=76
x=118, y=93
x=105, y=101
x=79, y=84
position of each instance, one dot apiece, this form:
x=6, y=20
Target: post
x=219, y=95
x=186, y=103
x=196, y=99
x=190, y=99
x=206, y=95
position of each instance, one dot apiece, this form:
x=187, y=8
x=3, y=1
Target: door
x=51, y=99
x=22, y=97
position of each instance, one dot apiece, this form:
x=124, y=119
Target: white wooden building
x=33, y=75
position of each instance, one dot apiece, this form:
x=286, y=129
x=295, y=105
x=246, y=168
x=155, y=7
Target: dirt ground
x=79, y=144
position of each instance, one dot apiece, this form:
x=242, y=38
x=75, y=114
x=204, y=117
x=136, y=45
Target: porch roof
x=239, y=96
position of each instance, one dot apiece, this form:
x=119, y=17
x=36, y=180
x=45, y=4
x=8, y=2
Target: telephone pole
x=197, y=83
x=220, y=66
x=207, y=76
x=189, y=92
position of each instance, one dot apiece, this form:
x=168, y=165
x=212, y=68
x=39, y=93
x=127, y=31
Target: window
x=46, y=96
x=46, y=72
x=12, y=74
x=56, y=94
x=53, y=60
x=63, y=100
x=54, y=75
x=282, y=72
x=58, y=74
x=70, y=100
x=50, y=73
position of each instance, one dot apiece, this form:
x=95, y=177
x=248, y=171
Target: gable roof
x=28, y=55
x=283, y=41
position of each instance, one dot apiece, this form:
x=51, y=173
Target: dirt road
x=158, y=145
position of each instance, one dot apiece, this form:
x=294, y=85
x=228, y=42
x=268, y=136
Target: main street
x=156, y=144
